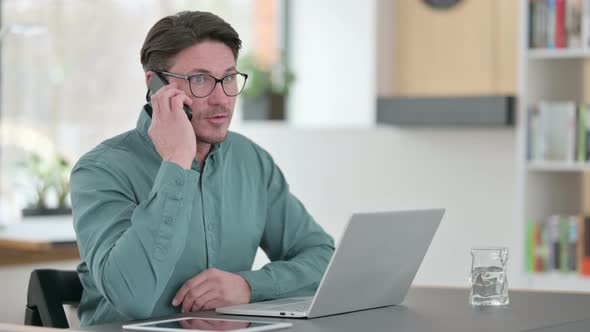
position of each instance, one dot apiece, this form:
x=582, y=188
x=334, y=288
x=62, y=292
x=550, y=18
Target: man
x=169, y=215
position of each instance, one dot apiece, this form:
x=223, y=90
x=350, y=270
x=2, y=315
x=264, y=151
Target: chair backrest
x=48, y=291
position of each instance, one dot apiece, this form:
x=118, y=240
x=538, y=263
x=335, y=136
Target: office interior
x=71, y=78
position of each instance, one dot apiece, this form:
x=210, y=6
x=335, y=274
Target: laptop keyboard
x=297, y=306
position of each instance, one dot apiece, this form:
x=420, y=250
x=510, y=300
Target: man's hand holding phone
x=170, y=131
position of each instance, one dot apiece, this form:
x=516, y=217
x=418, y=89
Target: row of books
x=559, y=243
x=555, y=23
x=559, y=131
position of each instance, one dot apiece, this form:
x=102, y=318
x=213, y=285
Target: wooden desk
x=36, y=240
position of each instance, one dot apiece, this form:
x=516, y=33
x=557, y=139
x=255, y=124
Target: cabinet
x=469, y=49
x=453, y=67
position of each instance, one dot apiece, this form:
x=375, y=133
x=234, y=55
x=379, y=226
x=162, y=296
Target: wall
x=470, y=172
x=333, y=53
x=386, y=47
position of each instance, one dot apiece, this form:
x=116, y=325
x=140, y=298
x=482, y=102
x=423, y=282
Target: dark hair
x=174, y=33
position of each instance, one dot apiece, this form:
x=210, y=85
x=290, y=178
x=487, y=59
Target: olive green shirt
x=145, y=226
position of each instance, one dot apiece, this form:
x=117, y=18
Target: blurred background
x=477, y=106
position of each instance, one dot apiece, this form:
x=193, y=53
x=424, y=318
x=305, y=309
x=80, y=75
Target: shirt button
x=179, y=182
x=168, y=220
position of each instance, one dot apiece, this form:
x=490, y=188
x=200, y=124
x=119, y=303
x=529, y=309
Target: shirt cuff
x=262, y=285
x=171, y=178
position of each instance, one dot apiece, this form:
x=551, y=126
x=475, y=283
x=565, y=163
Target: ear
x=148, y=77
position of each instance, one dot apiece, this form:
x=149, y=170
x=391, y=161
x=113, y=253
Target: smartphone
x=156, y=83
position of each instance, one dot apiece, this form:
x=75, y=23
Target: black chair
x=48, y=291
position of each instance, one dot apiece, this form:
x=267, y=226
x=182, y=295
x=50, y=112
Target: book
x=573, y=23
x=556, y=131
x=560, y=37
x=585, y=250
x=538, y=22
x=550, y=23
x=543, y=26
x=531, y=245
x=580, y=244
x=554, y=243
x=563, y=230
x=545, y=247
x=533, y=152
x=572, y=242
x=558, y=243
x=532, y=17
x=581, y=134
x=586, y=130
x=585, y=193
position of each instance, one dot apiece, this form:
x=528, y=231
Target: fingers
x=178, y=101
x=162, y=99
x=213, y=304
x=212, y=289
x=200, y=302
x=195, y=295
x=187, y=286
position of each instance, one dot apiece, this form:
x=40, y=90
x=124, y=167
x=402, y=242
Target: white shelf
x=548, y=187
x=556, y=281
x=557, y=166
x=557, y=53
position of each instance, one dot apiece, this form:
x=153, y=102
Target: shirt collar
x=143, y=124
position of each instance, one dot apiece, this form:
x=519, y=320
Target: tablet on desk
x=207, y=324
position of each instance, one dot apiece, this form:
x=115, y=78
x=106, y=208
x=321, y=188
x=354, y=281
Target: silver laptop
x=373, y=266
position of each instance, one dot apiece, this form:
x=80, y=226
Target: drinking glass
x=489, y=283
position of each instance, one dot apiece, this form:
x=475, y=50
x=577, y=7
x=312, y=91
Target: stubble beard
x=214, y=140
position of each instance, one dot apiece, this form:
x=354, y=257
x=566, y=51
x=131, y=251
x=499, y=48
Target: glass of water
x=489, y=284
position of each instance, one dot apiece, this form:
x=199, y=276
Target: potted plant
x=48, y=177
x=267, y=87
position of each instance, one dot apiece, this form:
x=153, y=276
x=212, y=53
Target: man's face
x=212, y=114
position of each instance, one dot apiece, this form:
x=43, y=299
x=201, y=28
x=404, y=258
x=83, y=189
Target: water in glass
x=489, y=284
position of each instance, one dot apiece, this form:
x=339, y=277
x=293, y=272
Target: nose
x=218, y=97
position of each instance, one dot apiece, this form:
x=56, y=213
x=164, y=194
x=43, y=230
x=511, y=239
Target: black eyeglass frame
x=217, y=80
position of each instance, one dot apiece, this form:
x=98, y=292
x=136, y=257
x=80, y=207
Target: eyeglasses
x=202, y=85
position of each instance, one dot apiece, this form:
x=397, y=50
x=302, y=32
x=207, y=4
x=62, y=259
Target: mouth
x=217, y=119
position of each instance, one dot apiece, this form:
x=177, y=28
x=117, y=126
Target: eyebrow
x=205, y=71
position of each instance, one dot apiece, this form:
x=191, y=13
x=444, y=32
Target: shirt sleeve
x=118, y=236
x=299, y=249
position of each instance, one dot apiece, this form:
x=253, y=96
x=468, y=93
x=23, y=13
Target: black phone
x=156, y=83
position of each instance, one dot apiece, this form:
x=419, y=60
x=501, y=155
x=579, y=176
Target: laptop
x=373, y=266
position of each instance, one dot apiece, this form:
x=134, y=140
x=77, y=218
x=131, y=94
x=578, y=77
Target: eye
x=198, y=79
x=230, y=78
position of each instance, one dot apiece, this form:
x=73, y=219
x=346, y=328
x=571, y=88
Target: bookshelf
x=550, y=74
x=556, y=166
x=557, y=53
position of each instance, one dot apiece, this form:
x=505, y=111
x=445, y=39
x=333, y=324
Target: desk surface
x=445, y=309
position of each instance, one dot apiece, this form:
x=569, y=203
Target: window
x=71, y=75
